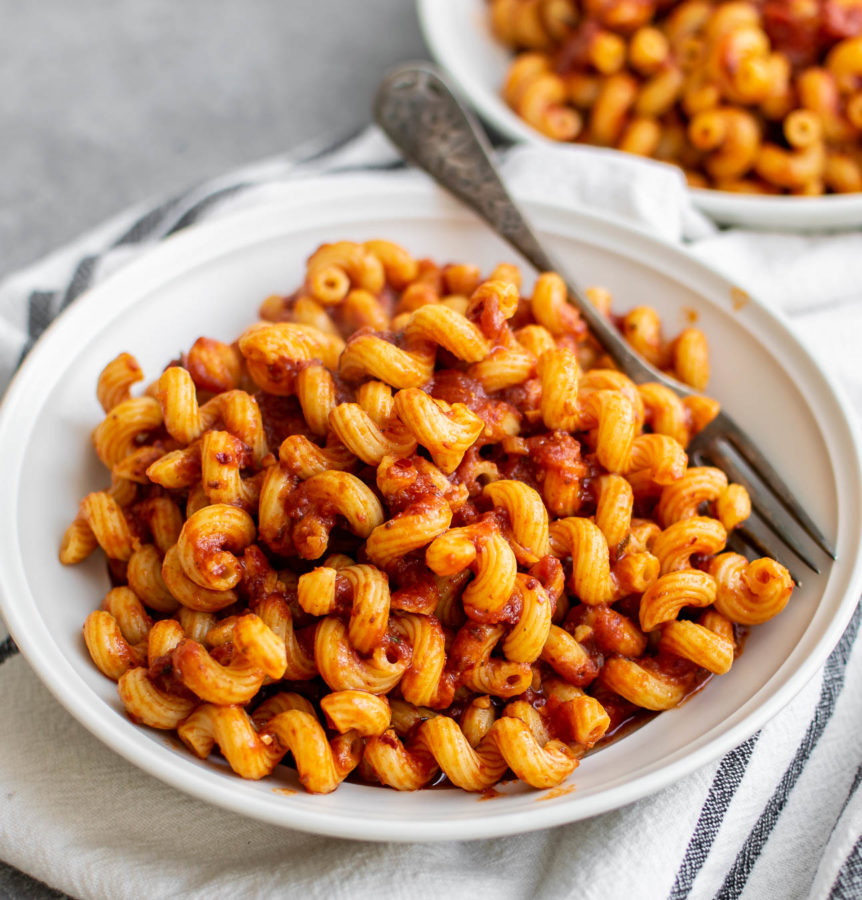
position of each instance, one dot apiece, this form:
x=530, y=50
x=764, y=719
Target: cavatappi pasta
x=412, y=524
x=752, y=97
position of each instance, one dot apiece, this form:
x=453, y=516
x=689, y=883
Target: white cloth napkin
x=778, y=817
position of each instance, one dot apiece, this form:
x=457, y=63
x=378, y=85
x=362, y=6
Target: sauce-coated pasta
x=763, y=96
x=412, y=524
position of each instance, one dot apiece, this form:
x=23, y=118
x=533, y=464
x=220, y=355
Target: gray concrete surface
x=108, y=102
x=105, y=103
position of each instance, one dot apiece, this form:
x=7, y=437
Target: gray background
x=106, y=103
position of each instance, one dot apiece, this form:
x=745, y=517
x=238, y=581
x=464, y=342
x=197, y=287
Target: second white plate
x=460, y=39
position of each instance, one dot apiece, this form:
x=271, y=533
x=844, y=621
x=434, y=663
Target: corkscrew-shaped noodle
x=584, y=542
x=528, y=515
x=619, y=447
x=186, y=421
x=445, y=430
x=325, y=494
x=343, y=669
x=368, y=589
x=508, y=744
x=663, y=600
x=146, y=703
x=643, y=687
x=368, y=714
x=208, y=541
x=108, y=647
x=482, y=548
x=421, y=683
x=703, y=643
x=407, y=366
x=301, y=458
x=675, y=546
x=364, y=437
x=116, y=436
x=116, y=380
x=100, y=522
x=682, y=499
x=750, y=592
x=482, y=672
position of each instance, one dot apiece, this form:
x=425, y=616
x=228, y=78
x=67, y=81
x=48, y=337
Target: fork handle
x=424, y=119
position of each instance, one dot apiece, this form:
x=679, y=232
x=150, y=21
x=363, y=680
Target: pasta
x=411, y=526
x=753, y=97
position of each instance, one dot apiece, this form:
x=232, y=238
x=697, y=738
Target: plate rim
x=822, y=212
x=194, y=247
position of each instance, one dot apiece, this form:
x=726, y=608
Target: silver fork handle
x=424, y=119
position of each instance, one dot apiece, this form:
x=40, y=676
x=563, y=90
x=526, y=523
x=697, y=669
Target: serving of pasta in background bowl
x=760, y=105
x=420, y=558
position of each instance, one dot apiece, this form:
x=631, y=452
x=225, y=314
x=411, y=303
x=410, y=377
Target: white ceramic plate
x=459, y=37
x=210, y=280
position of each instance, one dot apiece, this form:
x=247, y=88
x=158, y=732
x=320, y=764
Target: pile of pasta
x=413, y=524
x=754, y=97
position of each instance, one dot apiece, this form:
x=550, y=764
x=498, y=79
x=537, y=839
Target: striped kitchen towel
x=778, y=817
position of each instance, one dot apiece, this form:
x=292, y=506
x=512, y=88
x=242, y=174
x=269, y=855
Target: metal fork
x=424, y=119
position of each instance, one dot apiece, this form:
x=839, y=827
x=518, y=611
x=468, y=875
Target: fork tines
x=775, y=511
